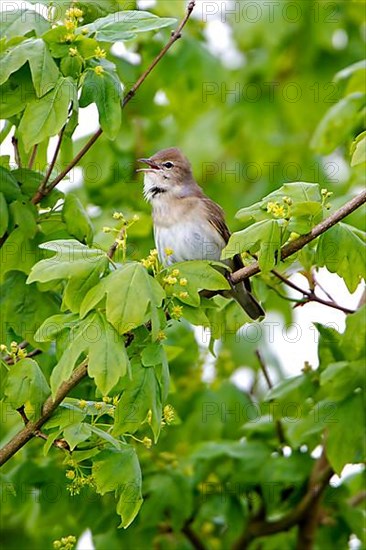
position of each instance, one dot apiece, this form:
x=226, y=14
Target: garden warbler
x=188, y=224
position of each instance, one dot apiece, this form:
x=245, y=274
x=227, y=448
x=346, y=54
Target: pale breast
x=188, y=241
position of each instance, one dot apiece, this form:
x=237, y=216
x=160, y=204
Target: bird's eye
x=168, y=164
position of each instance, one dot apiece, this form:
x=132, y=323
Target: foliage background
x=227, y=115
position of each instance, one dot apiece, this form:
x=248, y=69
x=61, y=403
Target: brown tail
x=241, y=292
x=247, y=301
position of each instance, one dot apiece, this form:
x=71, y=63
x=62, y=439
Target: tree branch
x=32, y=156
x=192, y=536
x=32, y=427
x=310, y=295
x=173, y=38
x=279, y=427
x=298, y=244
x=318, y=481
x=42, y=191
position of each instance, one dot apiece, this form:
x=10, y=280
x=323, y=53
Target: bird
x=188, y=225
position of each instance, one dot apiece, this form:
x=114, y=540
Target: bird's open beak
x=150, y=163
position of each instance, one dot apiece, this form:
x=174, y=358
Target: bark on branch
x=318, y=481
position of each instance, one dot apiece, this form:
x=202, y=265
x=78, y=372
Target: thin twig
x=173, y=38
x=279, y=427
x=296, y=245
x=317, y=284
x=114, y=246
x=310, y=295
x=59, y=443
x=192, y=536
x=33, y=156
x=41, y=191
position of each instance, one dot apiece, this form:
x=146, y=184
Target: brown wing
x=216, y=217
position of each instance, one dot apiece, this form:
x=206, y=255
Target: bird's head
x=168, y=173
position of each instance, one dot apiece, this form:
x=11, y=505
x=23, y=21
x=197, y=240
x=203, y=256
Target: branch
x=41, y=191
x=298, y=244
x=33, y=156
x=173, y=38
x=32, y=427
x=310, y=295
x=318, y=481
x=279, y=427
x=192, y=536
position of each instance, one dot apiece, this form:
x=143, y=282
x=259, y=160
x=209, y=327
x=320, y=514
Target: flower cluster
x=152, y=261
x=99, y=53
x=121, y=233
x=280, y=210
x=66, y=543
x=15, y=351
x=325, y=196
x=168, y=415
x=78, y=479
x=73, y=17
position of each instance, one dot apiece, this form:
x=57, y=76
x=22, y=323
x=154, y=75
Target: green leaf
x=106, y=436
x=294, y=390
x=177, y=502
x=105, y=90
x=341, y=379
x=124, y=25
x=9, y=185
x=353, y=340
x=79, y=340
x=350, y=70
x=138, y=293
x=43, y=68
x=338, y=123
x=141, y=395
x=263, y=237
x=18, y=246
x=358, y=150
x=24, y=308
x=44, y=117
x=15, y=93
x=71, y=65
x=22, y=21
x=73, y=259
x=299, y=192
x=26, y=385
x=80, y=284
x=24, y=216
x=200, y=275
x=77, y=433
x=153, y=354
x=119, y=471
x=108, y=359
x=4, y=215
x=29, y=180
x=77, y=221
x=342, y=251
x=345, y=444
x=53, y=325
